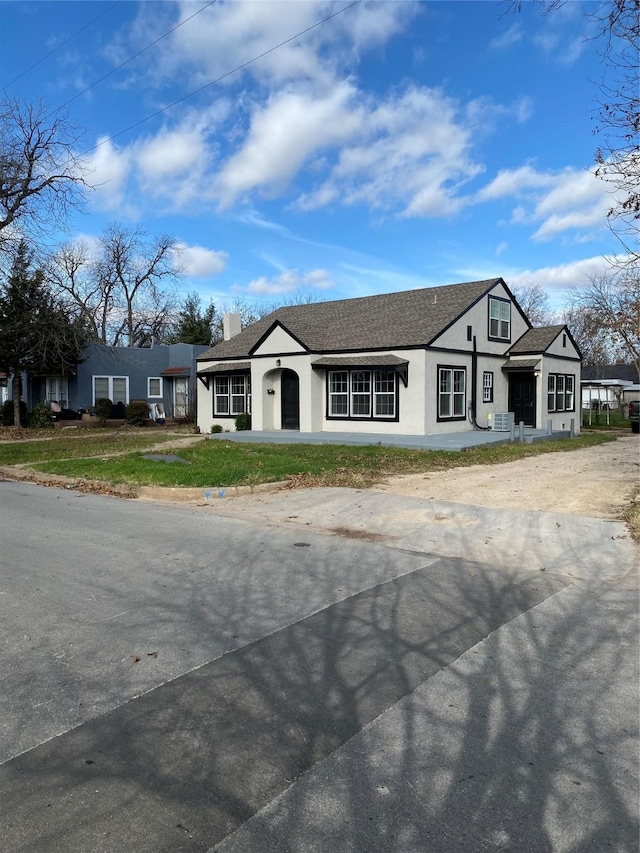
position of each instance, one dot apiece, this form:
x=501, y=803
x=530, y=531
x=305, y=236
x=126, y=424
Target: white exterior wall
x=562, y=347
x=434, y=360
x=418, y=402
x=559, y=420
x=478, y=318
x=411, y=402
x=279, y=342
x=500, y=389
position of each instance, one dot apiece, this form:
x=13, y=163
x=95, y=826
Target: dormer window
x=499, y=319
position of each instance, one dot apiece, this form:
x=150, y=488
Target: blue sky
x=396, y=145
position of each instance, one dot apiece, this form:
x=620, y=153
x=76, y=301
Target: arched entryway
x=290, y=398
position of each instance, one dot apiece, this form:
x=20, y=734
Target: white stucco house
x=418, y=362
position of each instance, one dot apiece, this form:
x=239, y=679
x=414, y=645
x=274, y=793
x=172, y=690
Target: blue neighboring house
x=162, y=375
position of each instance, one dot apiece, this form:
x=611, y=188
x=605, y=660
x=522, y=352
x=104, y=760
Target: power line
x=62, y=44
x=135, y=55
x=222, y=77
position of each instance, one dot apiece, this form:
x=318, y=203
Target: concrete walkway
x=446, y=441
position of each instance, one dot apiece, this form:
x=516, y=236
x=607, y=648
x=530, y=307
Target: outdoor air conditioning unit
x=500, y=421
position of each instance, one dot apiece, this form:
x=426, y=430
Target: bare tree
x=617, y=34
x=125, y=293
x=70, y=272
x=534, y=301
x=608, y=306
x=594, y=342
x=140, y=275
x=41, y=176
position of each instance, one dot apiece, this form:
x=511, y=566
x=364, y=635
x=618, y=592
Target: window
x=499, y=319
x=452, y=382
x=487, y=387
x=361, y=394
x=154, y=386
x=560, y=392
x=238, y=395
x=114, y=388
x=384, y=394
x=568, y=393
x=339, y=393
x=469, y=333
x=232, y=395
x=58, y=390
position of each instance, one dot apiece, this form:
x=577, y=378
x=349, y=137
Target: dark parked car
x=634, y=415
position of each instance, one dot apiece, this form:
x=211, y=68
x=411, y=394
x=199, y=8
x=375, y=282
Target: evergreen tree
x=194, y=325
x=36, y=333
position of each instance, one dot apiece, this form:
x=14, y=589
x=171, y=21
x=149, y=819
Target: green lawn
x=599, y=420
x=222, y=463
x=81, y=444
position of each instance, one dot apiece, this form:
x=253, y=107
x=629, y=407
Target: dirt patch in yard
x=597, y=481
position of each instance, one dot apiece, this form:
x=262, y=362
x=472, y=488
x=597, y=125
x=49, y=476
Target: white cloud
x=412, y=152
x=560, y=279
x=284, y=135
x=514, y=182
x=200, y=262
x=171, y=153
x=289, y=281
x=578, y=200
x=108, y=170
x=573, y=200
x=507, y=39
x=227, y=35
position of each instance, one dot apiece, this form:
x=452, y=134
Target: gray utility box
x=500, y=421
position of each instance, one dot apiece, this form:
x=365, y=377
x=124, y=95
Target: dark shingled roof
x=536, y=340
x=410, y=318
x=609, y=371
x=515, y=364
x=387, y=360
x=240, y=366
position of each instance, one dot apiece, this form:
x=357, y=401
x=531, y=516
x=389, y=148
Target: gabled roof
x=515, y=365
x=410, y=318
x=539, y=340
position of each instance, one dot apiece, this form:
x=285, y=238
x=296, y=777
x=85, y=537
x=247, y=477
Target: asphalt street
x=324, y=670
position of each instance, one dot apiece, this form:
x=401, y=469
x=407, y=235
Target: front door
x=180, y=395
x=522, y=398
x=290, y=400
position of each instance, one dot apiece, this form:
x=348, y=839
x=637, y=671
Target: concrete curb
x=203, y=494
x=182, y=494
x=28, y=475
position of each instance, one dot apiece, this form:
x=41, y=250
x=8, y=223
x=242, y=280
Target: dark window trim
x=494, y=337
x=448, y=419
x=247, y=394
x=565, y=376
x=362, y=418
x=487, y=373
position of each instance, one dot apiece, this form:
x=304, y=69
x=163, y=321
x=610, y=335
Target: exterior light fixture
x=278, y=362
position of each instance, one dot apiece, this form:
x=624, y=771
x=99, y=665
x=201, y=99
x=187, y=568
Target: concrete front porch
x=449, y=441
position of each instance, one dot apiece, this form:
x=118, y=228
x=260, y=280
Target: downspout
x=473, y=410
